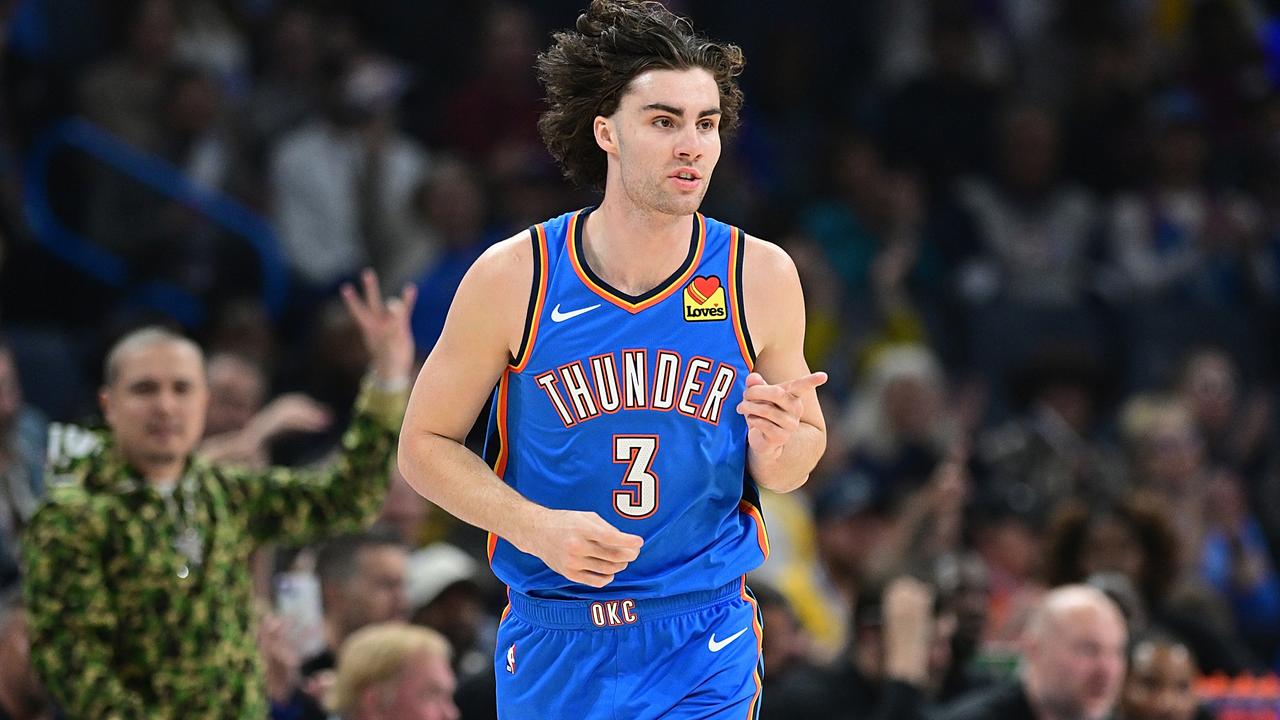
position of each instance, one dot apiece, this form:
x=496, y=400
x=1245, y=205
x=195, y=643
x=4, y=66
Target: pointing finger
x=755, y=379
x=806, y=383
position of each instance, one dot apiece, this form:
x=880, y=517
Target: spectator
x=1227, y=546
x=1178, y=241
x=239, y=429
x=445, y=595
x=846, y=227
x=1236, y=562
x=22, y=444
x=794, y=687
x=343, y=184
x=964, y=590
x=493, y=116
x=897, y=430
x=123, y=92
x=1074, y=664
x=1232, y=422
x=1034, y=231
x=137, y=572
x=1052, y=451
x=288, y=92
x=156, y=234
x=21, y=695
x=362, y=582
x=1161, y=682
x=854, y=527
x=392, y=671
x=898, y=656
x=1008, y=534
x=454, y=210
x=406, y=512
x=1136, y=539
x=939, y=121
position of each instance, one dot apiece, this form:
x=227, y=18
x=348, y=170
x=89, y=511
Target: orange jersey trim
x=539, y=298
x=735, y=304
x=762, y=535
x=753, y=709
x=500, y=462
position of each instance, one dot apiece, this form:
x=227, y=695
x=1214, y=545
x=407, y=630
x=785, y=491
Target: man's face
x=377, y=593
x=236, y=392
x=1080, y=662
x=667, y=139
x=1160, y=683
x=423, y=691
x=156, y=404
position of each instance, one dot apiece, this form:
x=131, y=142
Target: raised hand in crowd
x=289, y=413
x=384, y=326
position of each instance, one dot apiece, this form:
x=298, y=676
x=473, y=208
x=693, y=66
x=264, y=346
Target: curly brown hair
x=1069, y=527
x=588, y=69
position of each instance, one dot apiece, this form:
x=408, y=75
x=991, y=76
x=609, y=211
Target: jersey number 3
x=639, y=498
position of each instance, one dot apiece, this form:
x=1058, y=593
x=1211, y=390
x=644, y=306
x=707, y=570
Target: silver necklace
x=187, y=540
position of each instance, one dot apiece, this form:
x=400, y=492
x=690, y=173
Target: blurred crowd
x=1040, y=244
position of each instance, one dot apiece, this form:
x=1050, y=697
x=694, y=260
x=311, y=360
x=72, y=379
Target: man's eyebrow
x=678, y=111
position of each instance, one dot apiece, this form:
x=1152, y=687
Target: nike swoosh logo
x=557, y=316
x=714, y=646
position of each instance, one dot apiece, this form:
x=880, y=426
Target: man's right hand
x=581, y=546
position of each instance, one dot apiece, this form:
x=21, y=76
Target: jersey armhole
x=537, y=295
x=737, y=246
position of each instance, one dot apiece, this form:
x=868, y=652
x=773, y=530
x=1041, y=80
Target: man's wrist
x=389, y=382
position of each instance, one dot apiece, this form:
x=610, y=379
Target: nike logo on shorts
x=716, y=646
x=557, y=316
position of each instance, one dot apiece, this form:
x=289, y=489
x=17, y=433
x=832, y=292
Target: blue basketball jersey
x=627, y=406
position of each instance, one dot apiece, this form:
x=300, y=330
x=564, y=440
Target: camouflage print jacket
x=128, y=622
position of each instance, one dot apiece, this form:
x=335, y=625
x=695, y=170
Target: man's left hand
x=384, y=326
x=773, y=412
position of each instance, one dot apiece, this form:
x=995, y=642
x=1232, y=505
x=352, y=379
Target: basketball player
x=649, y=377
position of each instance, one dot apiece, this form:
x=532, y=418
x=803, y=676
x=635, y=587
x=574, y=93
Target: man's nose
x=687, y=144
x=167, y=401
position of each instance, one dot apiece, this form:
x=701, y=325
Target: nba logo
x=511, y=659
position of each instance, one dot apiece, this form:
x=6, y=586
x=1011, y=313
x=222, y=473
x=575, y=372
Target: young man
x=649, y=376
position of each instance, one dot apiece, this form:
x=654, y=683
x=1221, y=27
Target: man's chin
x=681, y=206
x=165, y=457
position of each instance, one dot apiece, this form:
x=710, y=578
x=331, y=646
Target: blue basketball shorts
x=687, y=656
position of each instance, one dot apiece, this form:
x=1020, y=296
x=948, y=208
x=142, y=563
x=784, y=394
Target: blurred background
x=1039, y=240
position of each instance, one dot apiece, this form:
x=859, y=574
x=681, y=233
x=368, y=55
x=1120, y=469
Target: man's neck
x=632, y=249
x=157, y=473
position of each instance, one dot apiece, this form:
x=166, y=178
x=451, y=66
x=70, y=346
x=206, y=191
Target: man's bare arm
x=481, y=334
x=786, y=431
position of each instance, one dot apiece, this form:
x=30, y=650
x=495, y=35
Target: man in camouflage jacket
x=137, y=568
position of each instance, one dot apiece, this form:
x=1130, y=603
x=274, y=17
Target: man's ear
x=606, y=134
x=104, y=403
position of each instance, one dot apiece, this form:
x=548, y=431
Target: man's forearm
x=448, y=474
x=791, y=467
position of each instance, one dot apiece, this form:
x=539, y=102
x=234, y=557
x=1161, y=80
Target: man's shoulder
x=765, y=256
x=76, y=502
x=1003, y=700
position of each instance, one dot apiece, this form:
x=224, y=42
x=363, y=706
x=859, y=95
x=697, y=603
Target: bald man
x=1073, y=663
